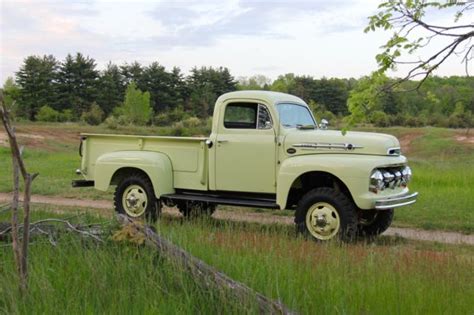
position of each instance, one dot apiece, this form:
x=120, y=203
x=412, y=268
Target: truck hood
x=332, y=141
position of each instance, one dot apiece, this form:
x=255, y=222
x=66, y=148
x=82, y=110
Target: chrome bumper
x=395, y=202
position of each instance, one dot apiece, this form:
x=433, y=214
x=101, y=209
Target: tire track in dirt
x=263, y=218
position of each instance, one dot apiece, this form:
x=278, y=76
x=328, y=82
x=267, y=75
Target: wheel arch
x=309, y=180
x=113, y=167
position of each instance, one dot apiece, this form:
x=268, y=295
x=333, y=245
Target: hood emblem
x=340, y=146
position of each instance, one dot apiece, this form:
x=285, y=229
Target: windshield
x=294, y=115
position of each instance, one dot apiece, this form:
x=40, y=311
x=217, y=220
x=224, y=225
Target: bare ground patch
x=467, y=139
x=407, y=139
x=262, y=218
x=41, y=137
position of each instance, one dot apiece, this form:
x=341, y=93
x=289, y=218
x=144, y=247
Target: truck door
x=246, y=149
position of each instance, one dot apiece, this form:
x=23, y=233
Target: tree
x=284, y=83
x=136, y=107
x=11, y=93
x=37, y=80
x=132, y=73
x=157, y=81
x=366, y=97
x=111, y=88
x=413, y=31
x=255, y=82
x=78, y=83
x=205, y=85
x=19, y=244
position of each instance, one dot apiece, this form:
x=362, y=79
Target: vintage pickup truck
x=265, y=151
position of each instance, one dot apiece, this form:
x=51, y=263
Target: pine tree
x=37, y=80
x=111, y=88
x=78, y=83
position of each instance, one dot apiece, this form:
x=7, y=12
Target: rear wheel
x=134, y=197
x=374, y=222
x=195, y=209
x=324, y=214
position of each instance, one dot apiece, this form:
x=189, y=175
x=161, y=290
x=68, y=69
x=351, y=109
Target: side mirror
x=324, y=124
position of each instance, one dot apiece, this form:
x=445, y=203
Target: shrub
x=192, y=122
x=162, y=119
x=94, y=116
x=178, y=129
x=380, y=119
x=47, y=113
x=66, y=115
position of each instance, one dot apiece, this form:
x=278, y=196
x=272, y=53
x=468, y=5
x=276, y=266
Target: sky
x=305, y=37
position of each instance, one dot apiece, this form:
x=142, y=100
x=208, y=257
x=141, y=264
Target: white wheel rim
x=322, y=221
x=134, y=201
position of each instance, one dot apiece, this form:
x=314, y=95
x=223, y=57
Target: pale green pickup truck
x=265, y=150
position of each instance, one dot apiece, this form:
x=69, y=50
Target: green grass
x=443, y=171
x=391, y=276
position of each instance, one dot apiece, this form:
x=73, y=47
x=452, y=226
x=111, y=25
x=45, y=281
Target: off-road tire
x=195, y=209
x=379, y=223
x=153, y=206
x=344, y=207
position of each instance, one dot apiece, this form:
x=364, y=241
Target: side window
x=247, y=116
x=241, y=116
x=264, y=118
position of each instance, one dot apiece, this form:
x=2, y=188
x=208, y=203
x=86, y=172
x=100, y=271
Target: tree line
x=74, y=89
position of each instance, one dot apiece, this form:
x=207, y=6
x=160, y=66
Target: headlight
x=376, y=181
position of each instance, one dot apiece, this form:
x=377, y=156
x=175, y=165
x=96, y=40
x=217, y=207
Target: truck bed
x=189, y=155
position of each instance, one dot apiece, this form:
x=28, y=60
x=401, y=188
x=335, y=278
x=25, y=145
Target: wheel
x=374, y=222
x=134, y=197
x=195, y=209
x=324, y=214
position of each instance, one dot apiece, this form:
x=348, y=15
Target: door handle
x=222, y=141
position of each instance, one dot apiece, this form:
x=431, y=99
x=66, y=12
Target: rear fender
x=155, y=164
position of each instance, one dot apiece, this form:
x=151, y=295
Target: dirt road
x=264, y=218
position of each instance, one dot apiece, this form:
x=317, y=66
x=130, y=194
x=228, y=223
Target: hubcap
x=134, y=201
x=322, y=221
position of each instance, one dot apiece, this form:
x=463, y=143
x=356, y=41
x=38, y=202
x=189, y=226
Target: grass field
x=443, y=170
x=391, y=276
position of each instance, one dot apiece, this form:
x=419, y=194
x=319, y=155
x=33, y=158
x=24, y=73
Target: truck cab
x=265, y=150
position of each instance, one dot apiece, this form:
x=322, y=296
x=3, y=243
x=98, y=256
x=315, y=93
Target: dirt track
x=264, y=218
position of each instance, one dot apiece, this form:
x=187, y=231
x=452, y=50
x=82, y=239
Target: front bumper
x=396, y=202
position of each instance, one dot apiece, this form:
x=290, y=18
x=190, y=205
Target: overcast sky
x=306, y=37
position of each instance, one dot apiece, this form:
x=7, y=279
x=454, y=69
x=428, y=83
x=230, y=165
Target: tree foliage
x=78, y=83
x=413, y=30
x=175, y=97
x=37, y=77
x=136, y=108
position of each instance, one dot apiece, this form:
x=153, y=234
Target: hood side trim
x=339, y=146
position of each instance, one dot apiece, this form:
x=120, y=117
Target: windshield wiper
x=305, y=127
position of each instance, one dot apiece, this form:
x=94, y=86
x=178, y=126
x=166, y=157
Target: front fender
x=353, y=170
x=155, y=164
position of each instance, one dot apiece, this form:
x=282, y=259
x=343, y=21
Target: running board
x=223, y=200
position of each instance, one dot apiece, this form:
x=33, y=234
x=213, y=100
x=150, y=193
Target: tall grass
x=389, y=277
x=330, y=278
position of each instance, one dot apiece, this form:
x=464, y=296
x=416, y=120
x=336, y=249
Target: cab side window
x=247, y=116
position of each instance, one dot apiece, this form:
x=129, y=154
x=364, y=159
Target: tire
x=134, y=196
x=195, y=209
x=373, y=223
x=324, y=214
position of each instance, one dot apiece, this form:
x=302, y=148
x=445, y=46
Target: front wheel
x=324, y=214
x=134, y=197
